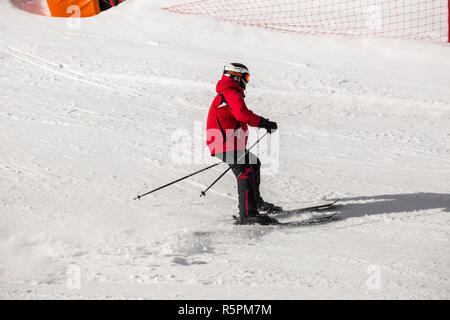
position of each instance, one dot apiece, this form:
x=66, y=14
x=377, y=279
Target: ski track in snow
x=86, y=121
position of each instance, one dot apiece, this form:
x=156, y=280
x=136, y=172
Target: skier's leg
x=247, y=176
x=263, y=206
x=254, y=162
x=246, y=182
x=246, y=190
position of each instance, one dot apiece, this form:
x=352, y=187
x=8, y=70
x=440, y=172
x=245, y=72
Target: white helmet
x=238, y=72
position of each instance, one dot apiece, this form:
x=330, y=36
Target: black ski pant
x=247, y=172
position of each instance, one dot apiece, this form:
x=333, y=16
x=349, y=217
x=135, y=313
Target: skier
x=227, y=133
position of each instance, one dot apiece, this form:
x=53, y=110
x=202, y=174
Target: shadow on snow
x=392, y=203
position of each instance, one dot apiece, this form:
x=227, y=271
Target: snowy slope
x=86, y=121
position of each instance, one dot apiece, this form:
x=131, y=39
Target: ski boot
x=259, y=218
x=267, y=207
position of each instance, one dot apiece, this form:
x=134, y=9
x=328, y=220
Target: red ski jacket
x=228, y=117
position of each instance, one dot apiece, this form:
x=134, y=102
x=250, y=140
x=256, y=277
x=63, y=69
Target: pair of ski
x=309, y=221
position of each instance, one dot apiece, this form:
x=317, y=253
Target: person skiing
x=227, y=133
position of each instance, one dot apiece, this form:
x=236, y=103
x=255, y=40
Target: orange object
x=73, y=8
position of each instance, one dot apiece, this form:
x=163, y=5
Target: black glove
x=270, y=126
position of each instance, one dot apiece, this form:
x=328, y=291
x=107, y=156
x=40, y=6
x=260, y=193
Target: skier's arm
x=240, y=111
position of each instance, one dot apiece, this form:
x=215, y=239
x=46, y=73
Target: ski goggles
x=244, y=76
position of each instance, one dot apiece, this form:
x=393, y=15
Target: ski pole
x=170, y=183
x=203, y=193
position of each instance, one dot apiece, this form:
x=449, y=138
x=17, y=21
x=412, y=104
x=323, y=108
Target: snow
x=87, y=116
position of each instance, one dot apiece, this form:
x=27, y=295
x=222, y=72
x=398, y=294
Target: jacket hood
x=227, y=82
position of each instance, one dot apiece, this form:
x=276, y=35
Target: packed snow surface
x=92, y=113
